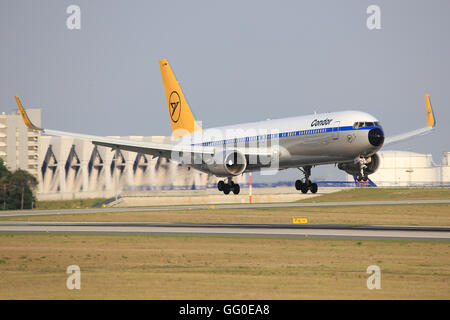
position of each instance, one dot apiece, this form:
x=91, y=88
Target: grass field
x=33, y=266
x=426, y=215
x=69, y=204
x=379, y=194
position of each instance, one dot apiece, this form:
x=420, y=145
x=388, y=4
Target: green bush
x=16, y=188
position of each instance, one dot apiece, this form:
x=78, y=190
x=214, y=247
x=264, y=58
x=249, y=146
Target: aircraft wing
x=146, y=147
x=431, y=124
x=156, y=149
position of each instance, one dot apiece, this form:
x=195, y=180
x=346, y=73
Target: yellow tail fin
x=181, y=117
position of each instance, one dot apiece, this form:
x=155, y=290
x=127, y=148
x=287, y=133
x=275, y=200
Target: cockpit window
x=362, y=124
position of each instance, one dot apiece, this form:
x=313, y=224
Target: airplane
x=350, y=139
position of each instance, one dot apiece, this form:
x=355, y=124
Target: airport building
x=73, y=168
x=19, y=146
x=68, y=168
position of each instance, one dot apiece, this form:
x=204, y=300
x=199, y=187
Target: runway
x=219, y=229
x=218, y=206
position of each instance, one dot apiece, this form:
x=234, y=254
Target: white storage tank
x=445, y=168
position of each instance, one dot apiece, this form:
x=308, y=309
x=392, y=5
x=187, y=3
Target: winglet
x=431, y=121
x=25, y=117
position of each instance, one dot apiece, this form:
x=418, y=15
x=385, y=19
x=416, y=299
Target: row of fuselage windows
x=266, y=137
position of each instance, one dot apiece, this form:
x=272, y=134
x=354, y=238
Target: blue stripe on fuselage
x=283, y=135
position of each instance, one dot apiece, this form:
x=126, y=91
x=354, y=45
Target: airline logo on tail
x=175, y=104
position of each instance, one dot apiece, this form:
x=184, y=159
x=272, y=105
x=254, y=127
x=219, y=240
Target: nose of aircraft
x=376, y=137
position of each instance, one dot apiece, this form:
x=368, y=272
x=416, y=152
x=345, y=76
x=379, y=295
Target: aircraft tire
x=220, y=185
x=226, y=189
x=298, y=184
x=236, y=188
x=313, y=188
x=304, y=188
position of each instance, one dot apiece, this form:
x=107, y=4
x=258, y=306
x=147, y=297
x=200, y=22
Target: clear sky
x=237, y=61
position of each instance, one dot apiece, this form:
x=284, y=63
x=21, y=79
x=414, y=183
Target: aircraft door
x=335, y=130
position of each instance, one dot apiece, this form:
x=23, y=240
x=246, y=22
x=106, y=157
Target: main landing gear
x=226, y=188
x=307, y=185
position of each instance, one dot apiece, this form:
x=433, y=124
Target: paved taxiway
x=218, y=206
x=278, y=230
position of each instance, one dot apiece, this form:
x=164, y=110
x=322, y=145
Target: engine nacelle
x=227, y=163
x=353, y=169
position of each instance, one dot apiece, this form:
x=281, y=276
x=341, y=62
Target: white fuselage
x=306, y=140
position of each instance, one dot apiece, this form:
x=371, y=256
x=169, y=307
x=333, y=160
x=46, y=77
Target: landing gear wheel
x=365, y=178
x=307, y=185
x=226, y=189
x=304, y=188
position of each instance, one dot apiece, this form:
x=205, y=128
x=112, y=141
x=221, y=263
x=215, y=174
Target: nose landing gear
x=307, y=185
x=362, y=176
x=226, y=188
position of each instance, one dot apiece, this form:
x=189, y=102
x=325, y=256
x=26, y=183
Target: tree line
x=16, y=188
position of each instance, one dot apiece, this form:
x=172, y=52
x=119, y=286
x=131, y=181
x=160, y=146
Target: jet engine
x=227, y=163
x=354, y=168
